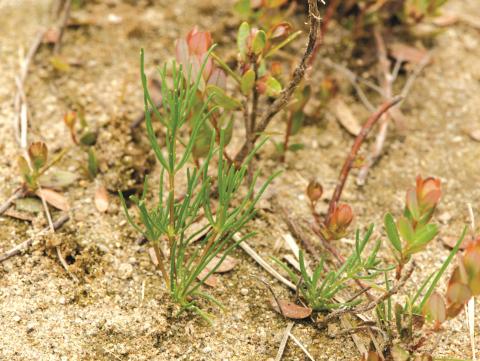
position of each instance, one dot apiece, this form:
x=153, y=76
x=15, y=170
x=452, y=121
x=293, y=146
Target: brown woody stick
x=347, y=166
x=24, y=245
x=286, y=94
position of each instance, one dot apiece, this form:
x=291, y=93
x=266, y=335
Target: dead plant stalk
x=283, y=99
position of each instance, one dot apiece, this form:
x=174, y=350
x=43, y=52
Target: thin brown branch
x=19, y=193
x=386, y=81
x=63, y=24
x=277, y=301
x=372, y=304
x=347, y=166
x=332, y=6
x=299, y=73
x=297, y=231
x=26, y=244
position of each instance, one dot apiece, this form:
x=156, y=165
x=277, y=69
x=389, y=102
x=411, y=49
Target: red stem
x=347, y=166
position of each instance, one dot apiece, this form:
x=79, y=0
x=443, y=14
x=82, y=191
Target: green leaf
x=92, y=163
x=242, y=38
x=406, y=230
x=297, y=122
x=259, y=42
x=242, y=7
x=435, y=308
x=296, y=147
x=273, y=87
x=59, y=64
x=57, y=179
x=220, y=98
x=38, y=154
x=247, y=82
x=228, y=131
x=203, y=142
x=288, y=40
x=88, y=138
x=24, y=168
x=29, y=204
x=422, y=237
x=392, y=232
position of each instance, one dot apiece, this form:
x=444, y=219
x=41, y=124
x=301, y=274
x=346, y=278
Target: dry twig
x=26, y=244
x=284, y=341
x=355, y=148
x=63, y=24
x=299, y=73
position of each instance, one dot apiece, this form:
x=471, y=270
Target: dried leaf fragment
x=403, y=52
x=53, y=198
x=227, y=265
x=291, y=310
x=345, y=116
x=101, y=199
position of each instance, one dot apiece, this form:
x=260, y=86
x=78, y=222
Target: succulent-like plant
x=412, y=232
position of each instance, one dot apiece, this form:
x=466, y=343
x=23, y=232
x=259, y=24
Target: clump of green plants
x=343, y=286
x=168, y=222
x=320, y=288
x=260, y=89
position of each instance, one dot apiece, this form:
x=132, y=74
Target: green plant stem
x=161, y=264
x=288, y=132
x=442, y=269
x=225, y=67
x=284, y=97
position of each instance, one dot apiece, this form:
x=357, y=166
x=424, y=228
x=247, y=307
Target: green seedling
x=413, y=231
x=33, y=169
x=320, y=288
x=168, y=224
x=84, y=137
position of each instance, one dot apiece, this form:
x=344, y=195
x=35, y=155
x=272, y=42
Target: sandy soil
x=119, y=309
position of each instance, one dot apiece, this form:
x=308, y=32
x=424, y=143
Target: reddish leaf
x=280, y=30
x=218, y=78
x=451, y=241
x=51, y=36
x=475, y=134
x=24, y=216
x=407, y=53
x=435, y=308
x=345, y=116
x=101, y=199
x=314, y=191
x=291, y=310
x=227, y=265
x=55, y=199
x=458, y=293
x=211, y=281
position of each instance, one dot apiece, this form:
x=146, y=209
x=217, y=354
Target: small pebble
x=125, y=271
x=244, y=291
x=30, y=327
x=17, y=318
